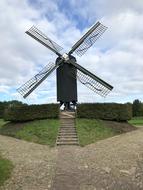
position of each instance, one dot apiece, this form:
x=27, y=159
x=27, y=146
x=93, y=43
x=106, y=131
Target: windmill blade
x=88, y=39
x=91, y=81
x=43, y=39
x=34, y=82
x=93, y=84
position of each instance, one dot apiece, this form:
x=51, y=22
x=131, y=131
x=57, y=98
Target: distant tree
x=137, y=108
x=5, y=104
x=14, y=103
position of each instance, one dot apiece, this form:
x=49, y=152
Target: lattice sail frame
x=34, y=82
x=88, y=39
x=43, y=39
x=92, y=84
x=98, y=86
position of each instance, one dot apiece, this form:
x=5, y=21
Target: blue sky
x=116, y=57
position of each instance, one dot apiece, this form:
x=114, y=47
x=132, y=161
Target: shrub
x=5, y=104
x=137, y=108
x=31, y=112
x=2, y=107
x=105, y=111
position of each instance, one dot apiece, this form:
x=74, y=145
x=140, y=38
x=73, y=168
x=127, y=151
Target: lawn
x=5, y=170
x=92, y=130
x=45, y=131
x=2, y=122
x=137, y=121
x=39, y=131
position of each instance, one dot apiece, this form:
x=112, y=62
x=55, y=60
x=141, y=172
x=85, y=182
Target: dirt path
x=115, y=164
x=34, y=164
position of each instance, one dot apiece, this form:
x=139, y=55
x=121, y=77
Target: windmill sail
x=88, y=39
x=43, y=39
x=35, y=81
x=93, y=84
x=91, y=81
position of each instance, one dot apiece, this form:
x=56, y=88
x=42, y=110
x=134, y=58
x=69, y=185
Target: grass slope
x=92, y=130
x=2, y=122
x=5, y=170
x=136, y=121
x=45, y=131
x=39, y=131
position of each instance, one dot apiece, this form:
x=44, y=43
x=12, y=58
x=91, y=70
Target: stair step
x=65, y=141
x=68, y=126
x=67, y=129
x=65, y=126
x=67, y=119
x=67, y=116
x=67, y=138
x=67, y=134
x=69, y=143
x=67, y=123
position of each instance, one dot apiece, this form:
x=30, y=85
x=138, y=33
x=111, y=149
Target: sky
x=117, y=57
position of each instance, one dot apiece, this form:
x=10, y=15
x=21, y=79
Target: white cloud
x=116, y=57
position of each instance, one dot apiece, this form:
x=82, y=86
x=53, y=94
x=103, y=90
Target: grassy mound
x=2, y=122
x=39, y=131
x=5, y=170
x=92, y=130
x=45, y=131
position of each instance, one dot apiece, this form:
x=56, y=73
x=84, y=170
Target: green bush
x=2, y=107
x=5, y=104
x=31, y=112
x=137, y=108
x=105, y=111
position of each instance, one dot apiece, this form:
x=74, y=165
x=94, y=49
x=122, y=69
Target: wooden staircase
x=67, y=133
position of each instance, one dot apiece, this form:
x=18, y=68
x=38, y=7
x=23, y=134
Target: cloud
x=116, y=57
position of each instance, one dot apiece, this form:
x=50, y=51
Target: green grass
x=2, y=122
x=39, y=131
x=136, y=121
x=92, y=130
x=5, y=170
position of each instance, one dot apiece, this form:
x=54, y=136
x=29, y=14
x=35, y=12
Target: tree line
x=6, y=104
x=137, y=108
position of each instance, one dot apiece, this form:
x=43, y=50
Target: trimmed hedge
x=5, y=104
x=31, y=112
x=2, y=107
x=105, y=111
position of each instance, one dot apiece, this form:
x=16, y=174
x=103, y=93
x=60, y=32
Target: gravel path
x=34, y=164
x=115, y=164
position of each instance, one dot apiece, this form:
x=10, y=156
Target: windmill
x=67, y=68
